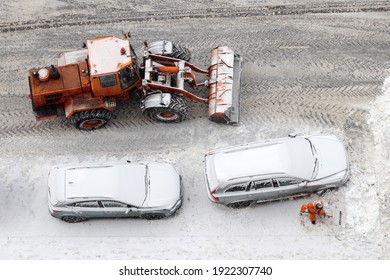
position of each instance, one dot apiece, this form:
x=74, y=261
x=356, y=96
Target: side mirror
x=128, y=210
x=303, y=184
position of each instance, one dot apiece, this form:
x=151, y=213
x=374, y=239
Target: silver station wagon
x=276, y=169
x=146, y=190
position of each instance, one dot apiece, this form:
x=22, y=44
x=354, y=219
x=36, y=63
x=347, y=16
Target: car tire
x=73, y=219
x=153, y=216
x=239, y=204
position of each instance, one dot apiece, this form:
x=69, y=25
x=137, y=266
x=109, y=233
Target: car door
x=88, y=209
x=115, y=209
x=290, y=187
x=261, y=190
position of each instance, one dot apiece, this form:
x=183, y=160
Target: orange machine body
x=85, y=80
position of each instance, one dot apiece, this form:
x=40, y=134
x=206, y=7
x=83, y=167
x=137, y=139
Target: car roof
x=286, y=157
x=124, y=182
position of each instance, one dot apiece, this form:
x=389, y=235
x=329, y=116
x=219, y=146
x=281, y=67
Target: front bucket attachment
x=224, y=83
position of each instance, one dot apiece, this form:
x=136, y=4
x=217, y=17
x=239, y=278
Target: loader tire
x=180, y=52
x=90, y=120
x=174, y=113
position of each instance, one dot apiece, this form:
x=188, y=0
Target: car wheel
x=153, y=216
x=72, y=219
x=239, y=204
x=90, y=120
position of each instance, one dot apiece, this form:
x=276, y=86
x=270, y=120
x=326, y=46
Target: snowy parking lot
x=307, y=68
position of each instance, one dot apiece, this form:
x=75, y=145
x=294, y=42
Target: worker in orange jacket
x=315, y=208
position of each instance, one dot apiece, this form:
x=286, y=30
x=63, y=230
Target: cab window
x=127, y=78
x=107, y=81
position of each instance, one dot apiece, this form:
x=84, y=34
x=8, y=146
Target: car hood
x=332, y=155
x=164, y=185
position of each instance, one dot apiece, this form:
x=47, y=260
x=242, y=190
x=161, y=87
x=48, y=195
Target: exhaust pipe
x=224, y=86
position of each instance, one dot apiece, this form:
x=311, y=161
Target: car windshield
x=315, y=156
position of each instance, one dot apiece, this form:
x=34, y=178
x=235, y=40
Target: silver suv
x=146, y=190
x=276, y=169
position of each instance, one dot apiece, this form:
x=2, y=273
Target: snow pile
x=379, y=123
x=380, y=120
x=362, y=205
x=366, y=198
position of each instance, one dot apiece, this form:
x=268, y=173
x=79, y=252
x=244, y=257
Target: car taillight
x=213, y=196
x=56, y=211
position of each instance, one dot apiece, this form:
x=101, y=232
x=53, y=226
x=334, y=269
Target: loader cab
x=113, y=66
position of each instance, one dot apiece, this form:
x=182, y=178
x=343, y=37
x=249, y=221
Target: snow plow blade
x=224, y=86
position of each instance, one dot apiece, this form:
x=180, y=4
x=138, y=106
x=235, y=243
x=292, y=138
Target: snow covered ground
x=304, y=72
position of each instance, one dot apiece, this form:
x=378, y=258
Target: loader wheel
x=174, y=113
x=90, y=120
x=180, y=52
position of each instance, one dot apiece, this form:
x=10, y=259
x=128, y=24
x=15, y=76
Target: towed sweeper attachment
x=224, y=86
x=167, y=75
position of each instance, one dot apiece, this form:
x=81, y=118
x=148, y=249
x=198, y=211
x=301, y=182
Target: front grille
x=52, y=98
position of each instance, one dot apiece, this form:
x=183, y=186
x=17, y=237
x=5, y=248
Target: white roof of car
x=288, y=156
x=123, y=182
x=105, y=54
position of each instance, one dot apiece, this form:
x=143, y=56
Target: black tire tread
x=79, y=117
x=153, y=216
x=76, y=219
x=178, y=106
x=180, y=52
x=239, y=204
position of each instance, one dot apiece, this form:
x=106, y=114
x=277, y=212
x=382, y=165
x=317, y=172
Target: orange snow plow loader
x=86, y=84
